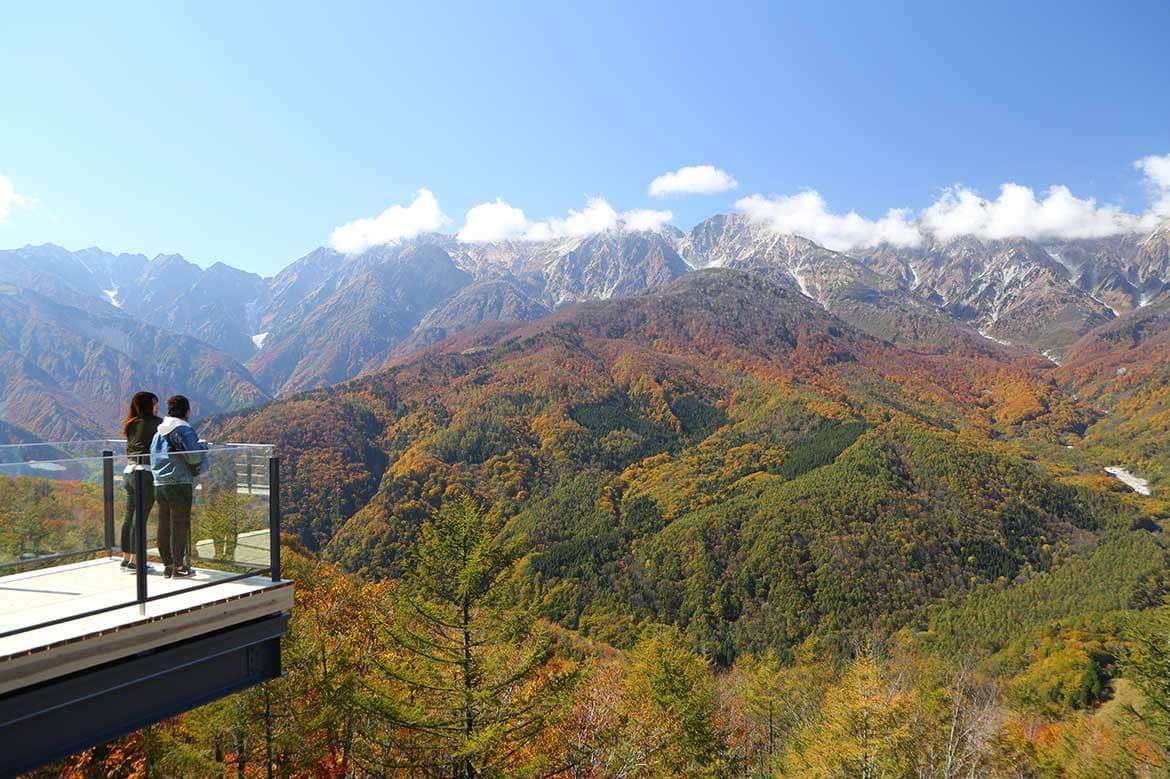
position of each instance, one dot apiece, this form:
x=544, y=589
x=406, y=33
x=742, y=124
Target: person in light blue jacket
x=176, y=457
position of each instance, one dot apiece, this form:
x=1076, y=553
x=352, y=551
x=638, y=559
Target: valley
x=723, y=465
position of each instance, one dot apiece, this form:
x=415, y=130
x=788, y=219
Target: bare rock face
x=333, y=316
x=359, y=324
x=736, y=242
x=1153, y=264
x=611, y=264
x=218, y=306
x=876, y=297
x=1015, y=291
x=491, y=300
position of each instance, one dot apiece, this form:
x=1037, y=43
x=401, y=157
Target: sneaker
x=125, y=563
x=184, y=572
x=168, y=572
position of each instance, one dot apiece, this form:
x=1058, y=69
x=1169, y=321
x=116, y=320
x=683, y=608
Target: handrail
x=77, y=442
x=96, y=441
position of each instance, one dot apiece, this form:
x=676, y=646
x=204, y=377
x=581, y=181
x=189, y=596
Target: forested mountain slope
x=724, y=435
x=1125, y=369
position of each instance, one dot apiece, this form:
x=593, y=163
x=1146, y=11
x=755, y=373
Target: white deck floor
x=31, y=598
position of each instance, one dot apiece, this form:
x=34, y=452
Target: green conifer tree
x=470, y=676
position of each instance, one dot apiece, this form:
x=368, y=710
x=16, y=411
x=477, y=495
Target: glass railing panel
x=230, y=514
x=229, y=511
x=51, y=510
x=57, y=537
x=60, y=450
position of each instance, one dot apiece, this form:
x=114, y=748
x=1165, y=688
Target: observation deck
x=90, y=651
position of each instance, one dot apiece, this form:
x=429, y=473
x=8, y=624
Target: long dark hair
x=141, y=407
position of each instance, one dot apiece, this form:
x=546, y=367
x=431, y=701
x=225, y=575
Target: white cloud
x=495, y=221
x=693, y=180
x=597, y=216
x=808, y=215
x=646, y=219
x=1058, y=214
x=1016, y=211
x=393, y=224
x=1157, y=170
x=498, y=220
x=9, y=197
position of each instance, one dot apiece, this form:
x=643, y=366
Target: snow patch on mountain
x=800, y=282
x=252, y=318
x=1138, y=485
x=1116, y=313
x=1074, y=271
x=1010, y=273
x=990, y=337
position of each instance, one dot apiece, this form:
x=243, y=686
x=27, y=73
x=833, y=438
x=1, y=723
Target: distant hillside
x=1125, y=368
x=219, y=306
x=720, y=454
x=66, y=373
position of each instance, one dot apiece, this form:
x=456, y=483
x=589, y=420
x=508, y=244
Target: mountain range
x=231, y=339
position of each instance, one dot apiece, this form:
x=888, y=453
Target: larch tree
x=864, y=729
x=469, y=678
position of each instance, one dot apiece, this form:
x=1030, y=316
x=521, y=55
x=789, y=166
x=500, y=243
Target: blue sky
x=247, y=132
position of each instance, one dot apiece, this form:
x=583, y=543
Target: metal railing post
x=274, y=517
x=140, y=534
x=108, y=498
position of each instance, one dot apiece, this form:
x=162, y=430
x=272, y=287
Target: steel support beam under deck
x=60, y=717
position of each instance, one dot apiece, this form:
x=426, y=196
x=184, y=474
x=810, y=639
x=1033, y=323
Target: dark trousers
x=174, y=523
x=129, y=524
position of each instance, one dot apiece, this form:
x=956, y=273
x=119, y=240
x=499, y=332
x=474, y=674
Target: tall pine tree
x=470, y=678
